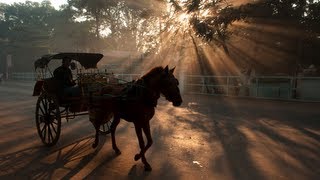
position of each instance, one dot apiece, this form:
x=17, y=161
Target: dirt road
x=207, y=138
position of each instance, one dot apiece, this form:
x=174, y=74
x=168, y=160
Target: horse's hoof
x=94, y=145
x=147, y=168
x=137, y=157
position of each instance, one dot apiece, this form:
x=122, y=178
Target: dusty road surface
x=207, y=138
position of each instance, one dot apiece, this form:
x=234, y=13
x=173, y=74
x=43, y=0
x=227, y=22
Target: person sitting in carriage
x=64, y=75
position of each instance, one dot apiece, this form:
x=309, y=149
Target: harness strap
x=139, y=91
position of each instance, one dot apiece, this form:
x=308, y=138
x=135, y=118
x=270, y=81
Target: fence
x=25, y=76
x=269, y=87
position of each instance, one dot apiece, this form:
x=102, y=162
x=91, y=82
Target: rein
x=139, y=91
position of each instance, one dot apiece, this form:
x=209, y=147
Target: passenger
x=64, y=74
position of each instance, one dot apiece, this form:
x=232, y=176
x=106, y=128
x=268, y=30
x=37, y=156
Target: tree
x=26, y=28
x=211, y=21
x=32, y=29
x=161, y=26
x=98, y=10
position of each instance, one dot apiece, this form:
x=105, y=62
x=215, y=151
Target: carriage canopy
x=87, y=60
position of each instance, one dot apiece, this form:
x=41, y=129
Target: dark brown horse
x=135, y=102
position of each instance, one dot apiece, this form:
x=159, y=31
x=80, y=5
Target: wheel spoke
x=52, y=112
x=44, y=131
x=106, y=127
x=45, y=106
x=41, y=119
x=49, y=134
x=109, y=124
x=41, y=109
x=42, y=128
x=48, y=119
x=55, y=131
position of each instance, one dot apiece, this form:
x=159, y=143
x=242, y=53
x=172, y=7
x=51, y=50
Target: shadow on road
x=42, y=163
x=250, y=139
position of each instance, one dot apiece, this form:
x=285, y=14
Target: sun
x=183, y=17
x=183, y=20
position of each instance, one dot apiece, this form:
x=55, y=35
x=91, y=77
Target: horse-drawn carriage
x=104, y=98
x=53, y=105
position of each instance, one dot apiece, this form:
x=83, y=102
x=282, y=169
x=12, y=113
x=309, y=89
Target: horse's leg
x=96, y=124
x=96, y=140
x=147, y=166
x=141, y=141
x=113, y=127
x=146, y=130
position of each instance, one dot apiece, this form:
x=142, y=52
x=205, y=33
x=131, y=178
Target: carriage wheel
x=106, y=127
x=48, y=119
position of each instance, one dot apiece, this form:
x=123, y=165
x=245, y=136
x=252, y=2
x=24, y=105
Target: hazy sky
x=55, y=3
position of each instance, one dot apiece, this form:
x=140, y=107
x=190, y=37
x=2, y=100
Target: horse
x=135, y=102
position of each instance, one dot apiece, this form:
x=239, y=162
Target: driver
x=64, y=74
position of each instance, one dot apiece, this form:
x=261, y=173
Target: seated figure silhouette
x=64, y=75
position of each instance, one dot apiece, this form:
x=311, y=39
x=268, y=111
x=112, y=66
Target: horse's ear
x=172, y=70
x=166, y=70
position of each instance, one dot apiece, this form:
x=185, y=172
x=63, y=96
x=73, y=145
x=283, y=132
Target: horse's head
x=169, y=87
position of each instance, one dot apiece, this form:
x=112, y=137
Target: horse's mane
x=153, y=72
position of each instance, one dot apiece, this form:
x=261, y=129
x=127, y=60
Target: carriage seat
x=54, y=86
